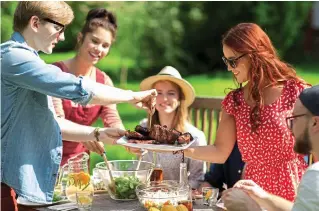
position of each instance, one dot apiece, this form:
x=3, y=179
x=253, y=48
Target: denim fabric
x=31, y=142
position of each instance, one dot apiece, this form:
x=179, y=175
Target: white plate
x=155, y=147
x=25, y=202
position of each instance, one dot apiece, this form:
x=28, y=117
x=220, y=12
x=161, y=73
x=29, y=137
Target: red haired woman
x=255, y=113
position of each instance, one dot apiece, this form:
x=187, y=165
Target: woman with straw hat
x=175, y=95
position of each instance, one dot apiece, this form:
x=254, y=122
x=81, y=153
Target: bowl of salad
x=125, y=177
x=156, y=196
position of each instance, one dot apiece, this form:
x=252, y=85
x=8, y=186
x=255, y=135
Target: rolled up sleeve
x=28, y=71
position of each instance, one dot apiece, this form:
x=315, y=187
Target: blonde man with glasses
x=31, y=133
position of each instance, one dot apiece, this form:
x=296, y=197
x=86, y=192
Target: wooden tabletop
x=104, y=202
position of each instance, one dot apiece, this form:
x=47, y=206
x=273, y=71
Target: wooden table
x=104, y=202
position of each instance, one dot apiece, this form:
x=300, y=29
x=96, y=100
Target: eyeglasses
x=232, y=62
x=56, y=23
x=290, y=120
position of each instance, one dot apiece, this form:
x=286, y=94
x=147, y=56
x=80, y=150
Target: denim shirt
x=31, y=141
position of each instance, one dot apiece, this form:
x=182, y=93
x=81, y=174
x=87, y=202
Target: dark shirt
x=229, y=172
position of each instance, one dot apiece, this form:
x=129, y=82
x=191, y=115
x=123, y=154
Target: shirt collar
x=17, y=37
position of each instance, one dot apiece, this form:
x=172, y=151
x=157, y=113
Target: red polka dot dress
x=269, y=156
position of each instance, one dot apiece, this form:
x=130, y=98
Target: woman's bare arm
x=224, y=142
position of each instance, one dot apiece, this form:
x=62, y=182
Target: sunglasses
x=56, y=23
x=232, y=62
x=290, y=120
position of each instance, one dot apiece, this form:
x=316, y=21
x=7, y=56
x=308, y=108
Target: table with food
x=130, y=184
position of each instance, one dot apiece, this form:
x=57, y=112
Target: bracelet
x=97, y=133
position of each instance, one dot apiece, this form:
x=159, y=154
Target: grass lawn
x=205, y=85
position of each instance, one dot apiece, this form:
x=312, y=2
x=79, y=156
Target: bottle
x=157, y=174
x=184, y=186
x=183, y=177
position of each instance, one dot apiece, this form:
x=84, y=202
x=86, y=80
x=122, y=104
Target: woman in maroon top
x=94, y=42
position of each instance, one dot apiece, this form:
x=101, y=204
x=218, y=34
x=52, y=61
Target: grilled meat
x=135, y=135
x=142, y=130
x=158, y=135
x=163, y=135
x=185, y=138
x=141, y=141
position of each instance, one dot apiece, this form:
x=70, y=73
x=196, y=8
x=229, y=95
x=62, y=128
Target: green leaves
x=124, y=187
x=56, y=197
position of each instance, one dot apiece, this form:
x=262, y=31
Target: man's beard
x=302, y=143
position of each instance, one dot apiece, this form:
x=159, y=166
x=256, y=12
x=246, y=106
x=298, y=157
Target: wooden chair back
x=204, y=113
x=312, y=159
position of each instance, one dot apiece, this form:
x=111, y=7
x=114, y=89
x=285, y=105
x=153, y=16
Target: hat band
x=165, y=74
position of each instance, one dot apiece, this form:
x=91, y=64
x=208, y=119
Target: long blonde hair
x=181, y=113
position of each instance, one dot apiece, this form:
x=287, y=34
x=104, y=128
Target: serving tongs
x=149, y=125
x=107, y=165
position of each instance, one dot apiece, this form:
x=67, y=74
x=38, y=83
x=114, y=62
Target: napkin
x=64, y=207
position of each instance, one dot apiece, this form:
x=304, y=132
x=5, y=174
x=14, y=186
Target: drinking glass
x=188, y=202
x=97, y=180
x=84, y=200
x=210, y=195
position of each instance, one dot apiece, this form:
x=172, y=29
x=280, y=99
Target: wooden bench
x=204, y=113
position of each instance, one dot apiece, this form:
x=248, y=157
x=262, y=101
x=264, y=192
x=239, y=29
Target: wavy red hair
x=266, y=66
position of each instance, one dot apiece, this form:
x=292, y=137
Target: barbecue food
x=135, y=141
x=135, y=135
x=142, y=130
x=163, y=134
x=184, y=138
x=158, y=134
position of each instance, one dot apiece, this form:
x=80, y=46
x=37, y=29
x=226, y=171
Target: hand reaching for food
x=145, y=100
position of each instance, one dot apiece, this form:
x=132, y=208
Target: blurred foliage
x=186, y=35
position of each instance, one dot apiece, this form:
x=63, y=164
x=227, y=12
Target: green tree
x=7, y=11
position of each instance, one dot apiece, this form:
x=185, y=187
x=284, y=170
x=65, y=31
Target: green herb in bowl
x=124, y=187
x=57, y=197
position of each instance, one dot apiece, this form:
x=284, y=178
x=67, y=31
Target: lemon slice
x=85, y=200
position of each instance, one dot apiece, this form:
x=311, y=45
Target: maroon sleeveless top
x=84, y=115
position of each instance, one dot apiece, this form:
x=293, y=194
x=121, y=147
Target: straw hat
x=169, y=73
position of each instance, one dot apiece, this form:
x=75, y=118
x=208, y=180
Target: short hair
x=56, y=10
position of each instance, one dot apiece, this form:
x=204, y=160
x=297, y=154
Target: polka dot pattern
x=270, y=159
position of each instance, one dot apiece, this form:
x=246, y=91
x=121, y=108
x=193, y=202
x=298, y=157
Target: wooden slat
x=210, y=126
x=310, y=159
x=204, y=119
x=218, y=116
x=190, y=114
x=196, y=117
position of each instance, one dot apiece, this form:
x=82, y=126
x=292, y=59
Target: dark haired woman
x=255, y=114
x=93, y=44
